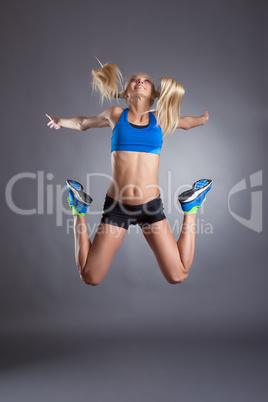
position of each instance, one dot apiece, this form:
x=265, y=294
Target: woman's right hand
x=54, y=122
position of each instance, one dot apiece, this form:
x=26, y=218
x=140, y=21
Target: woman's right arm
x=104, y=119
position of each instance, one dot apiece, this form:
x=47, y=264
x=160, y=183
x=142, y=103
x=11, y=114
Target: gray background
x=134, y=337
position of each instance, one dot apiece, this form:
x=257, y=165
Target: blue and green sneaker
x=192, y=199
x=78, y=200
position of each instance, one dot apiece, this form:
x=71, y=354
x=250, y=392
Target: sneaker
x=78, y=200
x=192, y=199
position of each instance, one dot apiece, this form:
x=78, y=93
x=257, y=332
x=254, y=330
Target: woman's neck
x=138, y=110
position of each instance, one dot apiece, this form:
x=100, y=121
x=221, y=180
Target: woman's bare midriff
x=134, y=177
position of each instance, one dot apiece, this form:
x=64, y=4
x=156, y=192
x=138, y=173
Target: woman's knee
x=91, y=282
x=174, y=279
x=93, y=275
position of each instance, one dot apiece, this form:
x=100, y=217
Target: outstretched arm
x=187, y=122
x=82, y=123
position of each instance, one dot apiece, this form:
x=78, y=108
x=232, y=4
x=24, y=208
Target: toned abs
x=134, y=177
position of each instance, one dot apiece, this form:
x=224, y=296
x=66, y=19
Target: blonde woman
x=133, y=196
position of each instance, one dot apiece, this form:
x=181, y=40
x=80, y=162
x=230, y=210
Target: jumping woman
x=133, y=196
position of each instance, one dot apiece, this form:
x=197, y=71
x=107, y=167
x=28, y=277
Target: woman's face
x=140, y=85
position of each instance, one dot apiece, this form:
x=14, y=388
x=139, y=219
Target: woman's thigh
x=161, y=240
x=103, y=248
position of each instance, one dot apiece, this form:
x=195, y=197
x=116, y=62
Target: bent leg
x=174, y=258
x=93, y=259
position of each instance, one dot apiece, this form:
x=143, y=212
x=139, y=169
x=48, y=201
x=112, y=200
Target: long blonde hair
x=107, y=78
x=168, y=106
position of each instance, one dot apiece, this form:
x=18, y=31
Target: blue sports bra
x=128, y=138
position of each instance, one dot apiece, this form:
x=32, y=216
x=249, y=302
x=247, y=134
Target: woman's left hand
x=54, y=122
x=205, y=116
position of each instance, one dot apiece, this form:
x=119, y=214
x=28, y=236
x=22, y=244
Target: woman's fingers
x=206, y=114
x=53, y=122
x=56, y=126
x=51, y=118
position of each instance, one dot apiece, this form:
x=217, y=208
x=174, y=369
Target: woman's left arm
x=187, y=122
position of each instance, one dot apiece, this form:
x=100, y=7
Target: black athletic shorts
x=119, y=214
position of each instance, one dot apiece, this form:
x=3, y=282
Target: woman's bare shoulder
x=107, y=118
x=113, y=114
x=116, y=110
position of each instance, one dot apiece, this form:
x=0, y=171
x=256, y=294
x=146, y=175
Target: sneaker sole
x=79, y=195
x=193, y=193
